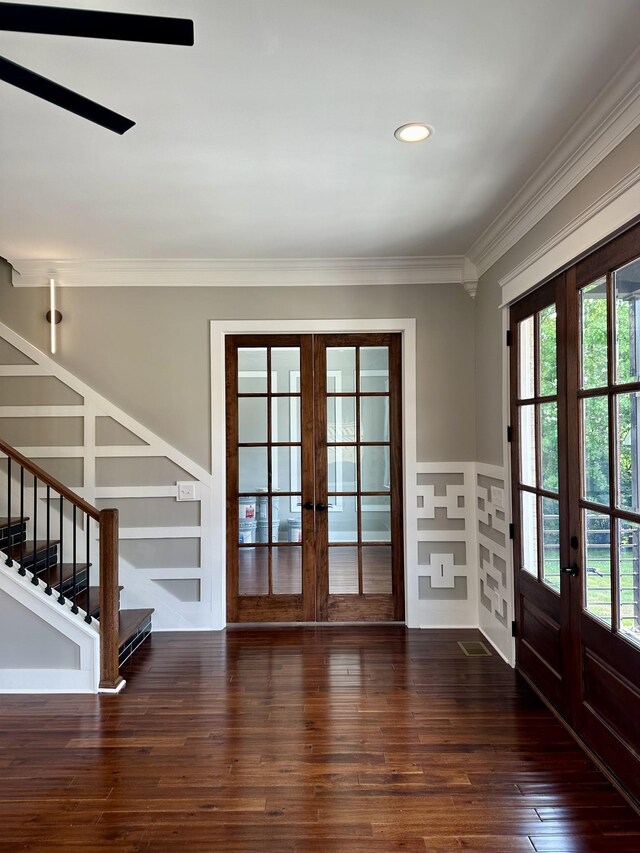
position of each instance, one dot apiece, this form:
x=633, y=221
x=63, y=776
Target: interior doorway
x=314, y=478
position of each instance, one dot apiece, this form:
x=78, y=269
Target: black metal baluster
x=74, y=608
x=87, y=522
x=34, y=579
x=48, y=586
x=8, y=561
x=61, y=552
x=22, y=571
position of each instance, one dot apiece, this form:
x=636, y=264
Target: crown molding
x=283, y=272
x=612, y=116
x=608, y=214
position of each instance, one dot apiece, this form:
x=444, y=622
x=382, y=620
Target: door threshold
x=232, y=625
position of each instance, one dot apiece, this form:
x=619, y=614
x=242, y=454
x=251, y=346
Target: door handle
x=308, y=505
x=321, y=507
x=571, y=570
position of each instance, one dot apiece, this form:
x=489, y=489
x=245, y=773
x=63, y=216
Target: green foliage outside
x=596, y=438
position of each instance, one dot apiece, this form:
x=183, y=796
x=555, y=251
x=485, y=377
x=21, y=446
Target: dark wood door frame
x=587, y=669
x=315, y=602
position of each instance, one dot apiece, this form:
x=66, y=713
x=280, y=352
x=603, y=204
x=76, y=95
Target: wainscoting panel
x=495, y=577
x=445, y=567
x=111, y=460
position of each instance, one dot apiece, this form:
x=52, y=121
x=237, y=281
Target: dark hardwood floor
x=304, y=740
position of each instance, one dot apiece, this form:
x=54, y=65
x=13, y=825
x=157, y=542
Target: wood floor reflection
x=253, y=570
x=304, y=740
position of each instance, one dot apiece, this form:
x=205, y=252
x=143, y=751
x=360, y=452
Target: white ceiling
x=273, y=136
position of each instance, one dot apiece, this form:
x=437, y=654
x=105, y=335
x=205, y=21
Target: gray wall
x=28, y=642
x=489, y=340
x=147, y=349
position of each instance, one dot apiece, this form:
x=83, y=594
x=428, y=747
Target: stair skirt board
x=83, y=678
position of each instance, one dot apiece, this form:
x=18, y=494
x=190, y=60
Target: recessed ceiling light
x=414, y=132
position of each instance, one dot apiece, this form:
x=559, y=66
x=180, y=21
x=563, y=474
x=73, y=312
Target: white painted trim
x=40, y=411
x=234, y=272
x=494, y=646
x=610, y=118
x=614, y=209
x=22, y=370
x=219, y=330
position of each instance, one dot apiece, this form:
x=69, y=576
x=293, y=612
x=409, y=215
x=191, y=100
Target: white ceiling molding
x=282, y=272
x=614, y=209
x=612, y=116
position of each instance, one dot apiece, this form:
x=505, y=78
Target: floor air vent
x=474, y=649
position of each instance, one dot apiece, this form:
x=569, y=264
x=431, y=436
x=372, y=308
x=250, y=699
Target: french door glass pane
x=374, y=368
x=526, y=386
x=593, y=334
x=252, y=370
x=285, y=468
x=596, y=538
x=376, y=518
x=343, y=570
x=529, y=524
x=629, y=578
x=285, y=419
x=253, y=571
x=341, y=419
x=627, y=292
x=528, y=445
x=595, y=454
x=628, y=447
x=252, y=419
x=549, y=446
x=376, y=570
x=548, y=368
x=341, y=369
x=285, y=368
x=374, y=473
x=341, y=469
x=551, y=543
x=286, y=570
x=252, y=468
x=374, y=419
x=343, y=519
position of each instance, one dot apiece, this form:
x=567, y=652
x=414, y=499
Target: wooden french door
x=575, y=415
x=314, y=478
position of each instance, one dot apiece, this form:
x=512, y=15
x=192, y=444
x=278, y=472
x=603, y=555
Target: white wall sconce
x=53, y=316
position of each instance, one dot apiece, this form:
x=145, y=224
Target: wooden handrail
x=48, y=480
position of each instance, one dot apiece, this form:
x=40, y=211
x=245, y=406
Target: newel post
x=109, y=675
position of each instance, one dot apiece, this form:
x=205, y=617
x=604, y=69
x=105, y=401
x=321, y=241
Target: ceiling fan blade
x=57, y=21
x=31, y=82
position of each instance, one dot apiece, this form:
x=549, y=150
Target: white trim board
x=606, y=215
x=610, y=118
x=219, y=330
x=237, y=272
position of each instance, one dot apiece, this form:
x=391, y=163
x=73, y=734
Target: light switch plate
x=497, y=497
x=186, y=491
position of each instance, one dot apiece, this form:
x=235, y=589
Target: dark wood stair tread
x=89, y=599
x=129, y=622
x=67, y=573
x=10, y=522
x=28, y=548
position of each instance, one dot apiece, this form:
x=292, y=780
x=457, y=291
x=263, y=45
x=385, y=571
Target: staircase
x=59, y=566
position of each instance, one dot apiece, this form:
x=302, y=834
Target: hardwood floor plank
x=304, y=740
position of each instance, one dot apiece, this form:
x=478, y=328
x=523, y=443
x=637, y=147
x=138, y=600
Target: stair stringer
x=31, y=678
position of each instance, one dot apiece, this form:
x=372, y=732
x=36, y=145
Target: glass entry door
x=575, y=414
x=314, y=478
